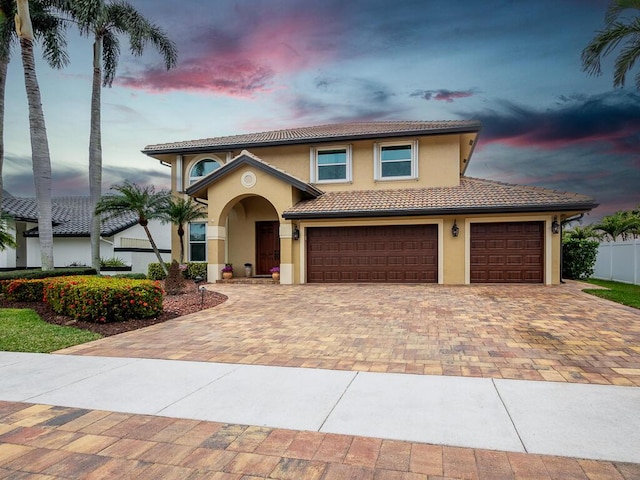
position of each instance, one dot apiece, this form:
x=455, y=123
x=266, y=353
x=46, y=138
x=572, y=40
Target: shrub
x=24, y=290
x=155, y=271
x=578, y=257
x=133, y=276
x=196, y=269
x=112, y=262
x=37, y=273
x=104, y=299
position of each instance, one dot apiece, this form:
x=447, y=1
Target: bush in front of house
x=104, y=299
x=155, y=271
x=24, y=290
x=7, y=277
x=578, y=257
x=193, y=270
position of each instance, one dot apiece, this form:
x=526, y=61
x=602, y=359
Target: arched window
x=202, y=168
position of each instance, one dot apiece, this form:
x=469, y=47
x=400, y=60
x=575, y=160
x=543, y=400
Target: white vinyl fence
x=619, y=261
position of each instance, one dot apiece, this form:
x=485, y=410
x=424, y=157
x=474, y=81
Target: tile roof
x=71, y=216
x=334, y=132
x=473, y=195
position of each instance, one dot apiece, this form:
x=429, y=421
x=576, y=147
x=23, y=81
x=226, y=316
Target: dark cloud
x=442, y=94
x=610, y=119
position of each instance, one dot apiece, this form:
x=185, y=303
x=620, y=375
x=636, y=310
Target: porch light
x=455, y=230
x=296, y=233
x=555, y=226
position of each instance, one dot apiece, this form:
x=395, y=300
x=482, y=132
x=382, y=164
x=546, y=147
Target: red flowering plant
x=105, y=299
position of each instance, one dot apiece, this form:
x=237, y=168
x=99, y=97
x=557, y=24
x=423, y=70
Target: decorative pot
x=247, y=270
x=275, y=276
x=227, y=275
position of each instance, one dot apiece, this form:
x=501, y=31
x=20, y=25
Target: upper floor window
x=331, y=164
x=202, y=168
x=396, y=161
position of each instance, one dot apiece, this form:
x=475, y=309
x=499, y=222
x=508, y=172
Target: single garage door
x=509, y=252
x=397, y=253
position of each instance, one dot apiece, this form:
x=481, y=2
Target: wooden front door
x=267, y=246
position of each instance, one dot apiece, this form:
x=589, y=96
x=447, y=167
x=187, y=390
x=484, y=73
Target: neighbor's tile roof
x=71, y=216
x=473, y=195
x=334, y=132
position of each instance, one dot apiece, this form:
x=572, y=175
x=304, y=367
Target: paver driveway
x=533, y=332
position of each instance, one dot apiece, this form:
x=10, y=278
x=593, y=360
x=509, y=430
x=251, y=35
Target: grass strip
x=623, y=293
x=22, y=330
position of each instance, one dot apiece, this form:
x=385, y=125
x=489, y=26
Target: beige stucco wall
x=438, y=163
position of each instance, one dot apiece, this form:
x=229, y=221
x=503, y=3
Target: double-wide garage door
x=508, y=252
x=393, y=253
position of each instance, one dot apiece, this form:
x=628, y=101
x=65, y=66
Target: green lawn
x=24, y=331
x=623, y=293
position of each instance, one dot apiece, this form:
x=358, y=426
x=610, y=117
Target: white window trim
x=377, y=166
x=192, y=163
x=190, y=242
x=313, y=156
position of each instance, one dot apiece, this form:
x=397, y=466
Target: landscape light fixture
x=555, y=226
x=455, y=230
x=198, y=280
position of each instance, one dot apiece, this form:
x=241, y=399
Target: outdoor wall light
x=296, y=233
x=455, y=230
x=555, y=226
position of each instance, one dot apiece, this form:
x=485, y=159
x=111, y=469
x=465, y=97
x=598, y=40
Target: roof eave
x=581, y=207
x=302, y=141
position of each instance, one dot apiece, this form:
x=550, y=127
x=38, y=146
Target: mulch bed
x=173, y=306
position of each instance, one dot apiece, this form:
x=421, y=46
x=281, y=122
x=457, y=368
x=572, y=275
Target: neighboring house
x=121, y=237
x=365, y=202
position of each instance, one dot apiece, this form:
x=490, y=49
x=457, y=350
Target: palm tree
x=180, y=212
x=620, y=224
x=41, y=159
x=104, y=22
x=144, y=202
x=619, y=27
x=6, y=239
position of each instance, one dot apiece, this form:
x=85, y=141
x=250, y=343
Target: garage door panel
x=509, y=252
x=376, y=254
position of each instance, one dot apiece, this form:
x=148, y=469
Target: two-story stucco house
x=366, y=202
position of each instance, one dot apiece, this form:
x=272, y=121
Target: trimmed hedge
x=9, y=276
x=104, y=299
x=25, y=290
x=194, y=269
x=578, y=257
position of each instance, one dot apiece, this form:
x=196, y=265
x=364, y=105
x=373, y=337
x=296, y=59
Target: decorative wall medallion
x=248, y=179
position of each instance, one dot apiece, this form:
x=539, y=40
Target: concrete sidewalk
x=587, y=421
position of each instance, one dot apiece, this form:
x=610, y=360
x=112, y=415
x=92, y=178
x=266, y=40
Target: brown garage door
x=509, y=252
x=398, y=253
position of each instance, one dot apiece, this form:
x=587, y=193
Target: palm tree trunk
x=181, y=237
x=3, y=82
x=155, y=249
x=95, y=153
x=39, y=155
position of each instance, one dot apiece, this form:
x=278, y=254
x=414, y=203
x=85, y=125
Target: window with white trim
x=396, y=161
x=198, y=242
x=331, y=164
x=203, y=168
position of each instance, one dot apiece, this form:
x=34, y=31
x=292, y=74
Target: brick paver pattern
x=42, y=442
x=532, y=332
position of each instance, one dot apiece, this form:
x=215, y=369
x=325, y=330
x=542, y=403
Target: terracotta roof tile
x=473, y=195
x=319, y=133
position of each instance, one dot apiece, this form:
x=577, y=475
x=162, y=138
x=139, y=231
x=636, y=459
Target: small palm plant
x=180, y=212
x=144, y=202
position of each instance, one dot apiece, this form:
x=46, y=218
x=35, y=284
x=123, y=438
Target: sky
x=256, y=65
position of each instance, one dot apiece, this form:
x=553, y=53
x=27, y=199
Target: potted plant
x=227, y=271
x=275, y=273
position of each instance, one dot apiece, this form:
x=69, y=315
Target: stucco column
x=286, y=253
x=216, y=238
